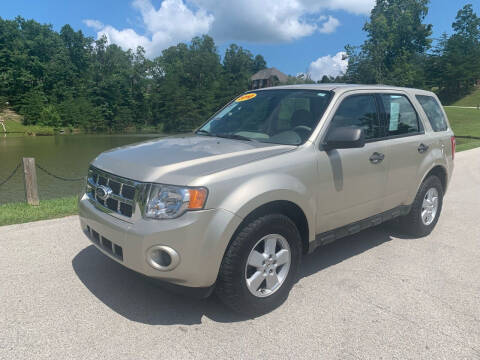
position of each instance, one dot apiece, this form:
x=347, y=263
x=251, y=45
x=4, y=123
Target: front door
x=352, y=182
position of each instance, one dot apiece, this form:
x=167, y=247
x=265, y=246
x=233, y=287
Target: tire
x=413, y=224
x=232, y=287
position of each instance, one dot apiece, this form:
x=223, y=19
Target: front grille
x=123, y=191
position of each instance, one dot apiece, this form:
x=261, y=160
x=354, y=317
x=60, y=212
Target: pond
x=64, y=155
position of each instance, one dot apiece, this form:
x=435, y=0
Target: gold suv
x=271, y=176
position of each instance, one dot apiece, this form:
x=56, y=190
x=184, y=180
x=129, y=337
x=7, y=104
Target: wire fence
x=57, y=176
x=12, y=187
x=12, y=174
x=9, y=177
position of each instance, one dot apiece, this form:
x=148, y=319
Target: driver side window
x=358, y=111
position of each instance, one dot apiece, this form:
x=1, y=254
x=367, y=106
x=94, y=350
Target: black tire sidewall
x=419, y=228
x=239, y=296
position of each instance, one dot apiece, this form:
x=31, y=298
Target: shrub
x=49, y=117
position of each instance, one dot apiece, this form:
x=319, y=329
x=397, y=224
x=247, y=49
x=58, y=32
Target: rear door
x=443, y=141
x=438, y=122
x=407, y=146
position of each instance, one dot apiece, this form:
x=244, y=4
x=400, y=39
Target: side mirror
x=344, y=138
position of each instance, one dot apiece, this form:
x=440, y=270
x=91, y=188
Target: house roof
x=268, y=73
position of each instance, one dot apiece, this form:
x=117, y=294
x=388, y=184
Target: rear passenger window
x=434, y=112
x=401, y=117
x=359, y=111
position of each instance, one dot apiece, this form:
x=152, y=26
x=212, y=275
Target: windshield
x=276, y=116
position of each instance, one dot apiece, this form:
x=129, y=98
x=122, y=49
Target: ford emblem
x=103, y=192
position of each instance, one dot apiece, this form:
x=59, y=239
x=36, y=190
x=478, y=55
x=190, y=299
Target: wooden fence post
x=30, y=176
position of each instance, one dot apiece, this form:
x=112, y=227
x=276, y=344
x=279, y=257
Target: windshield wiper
x=225, y=136
x=234, y=136
x=201, y=131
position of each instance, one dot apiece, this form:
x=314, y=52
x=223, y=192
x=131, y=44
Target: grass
x=18, y=213
x=465, y=122
x=13, y=124
x=15, y=127
x=467, y=144
x=472, y=99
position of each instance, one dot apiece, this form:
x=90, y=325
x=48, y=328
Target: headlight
x=169, y=202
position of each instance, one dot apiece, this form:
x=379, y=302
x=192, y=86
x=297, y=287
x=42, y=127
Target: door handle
x=377, y=158
x=422, y=148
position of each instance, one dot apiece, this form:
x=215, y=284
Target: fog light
x=162, y=258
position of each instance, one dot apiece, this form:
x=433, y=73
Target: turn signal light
x=197, y=198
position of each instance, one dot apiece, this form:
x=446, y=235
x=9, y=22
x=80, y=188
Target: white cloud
x=358, y=7
x=259, y=21
x=271, y=21
x=94, y=24
x=127, y=38
x=328, y=65
x=330, y=25
x=264, y=21
x=172, y=23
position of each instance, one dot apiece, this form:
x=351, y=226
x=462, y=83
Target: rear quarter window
x=434, y=112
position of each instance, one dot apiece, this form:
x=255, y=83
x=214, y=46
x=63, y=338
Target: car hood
x=179, y=160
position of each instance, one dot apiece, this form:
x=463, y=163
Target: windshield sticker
x=246, y=97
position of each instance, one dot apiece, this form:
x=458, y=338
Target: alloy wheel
x=268, y=265
x=429, y=206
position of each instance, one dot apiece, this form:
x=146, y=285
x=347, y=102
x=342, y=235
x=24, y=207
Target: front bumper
x=199, y=237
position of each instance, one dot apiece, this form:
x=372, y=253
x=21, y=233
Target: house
x=266, y=78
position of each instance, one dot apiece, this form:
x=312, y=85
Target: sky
x=295, y=36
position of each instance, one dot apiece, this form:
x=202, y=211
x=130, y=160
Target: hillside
x=10, y=115
x=465, y=122
x=13, y=125
x=470, y=100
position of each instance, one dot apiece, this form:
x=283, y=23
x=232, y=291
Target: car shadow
x=134, y=297
x=343, y=249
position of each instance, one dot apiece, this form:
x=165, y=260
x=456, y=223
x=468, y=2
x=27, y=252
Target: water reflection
x=65, y=155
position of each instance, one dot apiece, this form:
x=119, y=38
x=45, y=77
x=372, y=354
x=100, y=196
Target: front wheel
x=426, y=208
x=260, y=265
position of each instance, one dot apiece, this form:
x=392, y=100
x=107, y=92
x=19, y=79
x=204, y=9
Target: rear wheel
x=426, y=208
x=260, y=265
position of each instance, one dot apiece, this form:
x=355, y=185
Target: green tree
x=238, y=66
x=397, y=40
x=454, y=65
x=467, y=24
x=67, y=79
x=259, y=63
x=186, y=80
x=49, y=116
x=326, y=79
x=32, y=106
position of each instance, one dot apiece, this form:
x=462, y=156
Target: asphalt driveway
x=370, y=296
